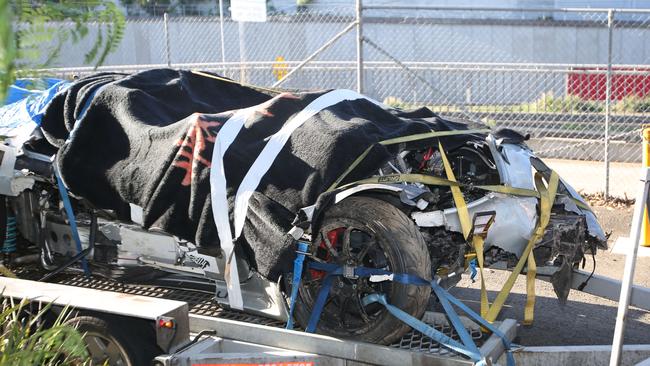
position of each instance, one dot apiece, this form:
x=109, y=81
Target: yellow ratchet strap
x=466, y=227
x=581, y=204
x=510, y=190
x=405, y=178
x=431, y=134
x=459, y=200
x=399, y=140
x=477, y=241
x=211, y=76
x=438, y=181
x=547, y=197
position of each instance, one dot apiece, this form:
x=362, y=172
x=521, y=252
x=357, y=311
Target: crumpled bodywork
x=572, y=232
x=516, y=216
x=514, y=222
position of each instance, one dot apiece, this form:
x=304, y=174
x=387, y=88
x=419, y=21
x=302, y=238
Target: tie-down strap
x=467, y=348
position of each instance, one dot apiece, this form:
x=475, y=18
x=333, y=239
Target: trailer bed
x=205, y=313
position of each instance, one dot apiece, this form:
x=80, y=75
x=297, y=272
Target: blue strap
x=71, y=218
x=422, y=327
x=330, y=268
x=314, y=317
x=446, y=299
x=455, y=321
x=297, y=275
x=510, y=360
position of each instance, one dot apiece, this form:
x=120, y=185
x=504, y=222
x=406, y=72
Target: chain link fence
x=576, y=80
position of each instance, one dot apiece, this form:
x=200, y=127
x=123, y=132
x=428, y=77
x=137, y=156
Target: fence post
x=167, y=53
x=608, y=95
x=223, y=46
x=242, y=51
x=359, y=11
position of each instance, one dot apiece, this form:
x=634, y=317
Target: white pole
x=223, y=46
x=359, y=16
x=242, y=53
x=167, y=51
x=608, y=96
x=628, y=272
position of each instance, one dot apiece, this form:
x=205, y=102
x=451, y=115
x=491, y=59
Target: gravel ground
x=585, y=319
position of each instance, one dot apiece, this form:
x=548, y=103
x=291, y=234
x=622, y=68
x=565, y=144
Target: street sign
x=248, y=10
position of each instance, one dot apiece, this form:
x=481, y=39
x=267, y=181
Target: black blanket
x=147, y=139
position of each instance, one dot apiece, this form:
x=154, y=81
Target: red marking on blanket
x=263, y=108
x=192, y=146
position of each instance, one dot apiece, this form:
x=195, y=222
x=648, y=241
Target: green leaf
x=24, y=340
x=32, y=34
x=7, y=48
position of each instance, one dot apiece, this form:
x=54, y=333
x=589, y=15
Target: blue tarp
x=25, y=104
x=28, y=97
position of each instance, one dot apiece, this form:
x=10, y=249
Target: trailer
x=203, y=333
x=191, y=333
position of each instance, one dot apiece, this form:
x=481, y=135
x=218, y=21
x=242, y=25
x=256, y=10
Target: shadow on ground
x=576, y=323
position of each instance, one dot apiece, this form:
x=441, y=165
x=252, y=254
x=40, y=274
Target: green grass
x=632, y=104
x=24, y=340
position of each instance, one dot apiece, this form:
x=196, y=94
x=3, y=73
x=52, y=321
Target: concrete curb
x=591, y=355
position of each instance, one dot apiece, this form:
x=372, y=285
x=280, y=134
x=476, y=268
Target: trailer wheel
x=369, y=232
x=115, y=342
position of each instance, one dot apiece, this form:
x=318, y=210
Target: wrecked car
x=192, y=174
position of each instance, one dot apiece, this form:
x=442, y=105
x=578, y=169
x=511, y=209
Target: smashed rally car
x=190, y=173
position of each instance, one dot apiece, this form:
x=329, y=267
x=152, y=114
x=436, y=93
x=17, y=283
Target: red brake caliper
x=333, y=237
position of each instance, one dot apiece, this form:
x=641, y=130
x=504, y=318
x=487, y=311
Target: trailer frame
x=212, y=340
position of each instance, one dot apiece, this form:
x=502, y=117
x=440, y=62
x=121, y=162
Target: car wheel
x=369, y=232
x=115, y=342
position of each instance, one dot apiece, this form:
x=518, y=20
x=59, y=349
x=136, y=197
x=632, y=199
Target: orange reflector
x=162, y=323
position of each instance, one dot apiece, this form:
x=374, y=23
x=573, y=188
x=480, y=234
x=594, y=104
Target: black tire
x=394, y=243
x=122, y=343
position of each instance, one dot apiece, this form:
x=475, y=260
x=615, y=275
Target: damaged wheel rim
x=347, y=243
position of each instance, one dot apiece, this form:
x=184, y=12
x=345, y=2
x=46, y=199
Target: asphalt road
x=585, y=319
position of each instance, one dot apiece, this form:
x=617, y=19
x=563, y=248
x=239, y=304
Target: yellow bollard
x=645, y=229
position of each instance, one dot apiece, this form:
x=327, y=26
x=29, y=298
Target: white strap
x=381, y=278
x=277, y=142
x=219, y=198
x=225, y=137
